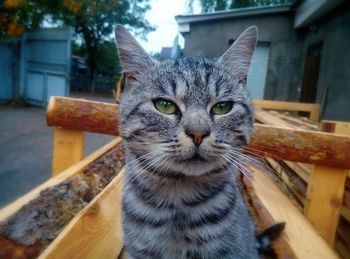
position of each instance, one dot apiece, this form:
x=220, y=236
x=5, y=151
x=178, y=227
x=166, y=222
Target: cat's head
x=191, y=115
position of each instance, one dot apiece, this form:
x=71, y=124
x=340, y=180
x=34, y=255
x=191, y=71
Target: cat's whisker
x=237, y=165
x=252, y=160
x=163, y=161
x=256, y=152
x=143, y=166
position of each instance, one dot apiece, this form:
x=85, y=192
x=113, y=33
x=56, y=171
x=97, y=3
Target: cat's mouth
x=197, y=157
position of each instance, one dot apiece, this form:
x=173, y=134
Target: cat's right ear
x=133, y=58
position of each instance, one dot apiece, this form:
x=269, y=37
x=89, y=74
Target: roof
x=185, y=20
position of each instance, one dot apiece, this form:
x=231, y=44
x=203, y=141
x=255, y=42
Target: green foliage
x=93, y=22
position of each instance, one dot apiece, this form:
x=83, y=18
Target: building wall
x=334, y=77
x=210, y=39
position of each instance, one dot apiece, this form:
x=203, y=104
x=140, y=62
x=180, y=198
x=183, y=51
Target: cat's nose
x=197, y=136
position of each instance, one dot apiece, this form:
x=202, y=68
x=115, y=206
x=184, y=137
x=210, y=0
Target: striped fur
x=181, y=200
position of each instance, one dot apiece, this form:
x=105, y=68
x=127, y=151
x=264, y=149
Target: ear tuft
x=133, y=58
x=238, y=56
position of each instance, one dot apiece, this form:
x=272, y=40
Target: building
x=303, y=51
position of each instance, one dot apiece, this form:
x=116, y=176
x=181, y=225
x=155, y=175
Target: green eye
x=222, y=108
x=165, y=106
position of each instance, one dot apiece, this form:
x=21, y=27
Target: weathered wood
x=32, y=222
x=301, y=146
x=96, y=231
x=326, y=191
x=313, y=109
x=286, y=144
x=325, y=199
x=25, y=199
x=83, y=115
x=68, y=149
x=300, y=234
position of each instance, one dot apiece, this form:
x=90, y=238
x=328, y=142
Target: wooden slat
x=83, y=115
x=16, y=205
x=313, y=109
x=68, y=149
x=96, y=231
x=300, y=234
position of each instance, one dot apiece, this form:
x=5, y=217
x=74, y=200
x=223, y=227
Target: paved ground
x=26, y=148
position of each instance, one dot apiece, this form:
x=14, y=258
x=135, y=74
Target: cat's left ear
x=238, y=57
x=133, y=58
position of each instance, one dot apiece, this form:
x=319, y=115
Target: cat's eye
x=222, y=108
x=165, y=106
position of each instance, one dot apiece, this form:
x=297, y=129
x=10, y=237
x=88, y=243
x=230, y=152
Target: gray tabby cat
x=184, y=123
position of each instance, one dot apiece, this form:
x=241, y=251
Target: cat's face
x=187, y=116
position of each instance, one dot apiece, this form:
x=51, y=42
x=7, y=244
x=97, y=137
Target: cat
x=184, y=123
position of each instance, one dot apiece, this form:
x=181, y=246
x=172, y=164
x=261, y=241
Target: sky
x=162, y=15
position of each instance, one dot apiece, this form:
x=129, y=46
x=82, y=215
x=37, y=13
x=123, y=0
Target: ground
x=26, y=148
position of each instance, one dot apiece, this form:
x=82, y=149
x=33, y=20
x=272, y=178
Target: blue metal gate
x=45, y=65
x=6, y=70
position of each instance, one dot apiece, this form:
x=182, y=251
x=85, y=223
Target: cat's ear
x=133, y=58
x=238, y=57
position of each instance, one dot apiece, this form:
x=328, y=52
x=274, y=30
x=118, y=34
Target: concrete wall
x=334, y=31
x=210, y=39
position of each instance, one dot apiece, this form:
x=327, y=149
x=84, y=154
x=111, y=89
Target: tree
x=92, y=20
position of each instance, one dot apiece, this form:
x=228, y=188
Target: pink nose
x=197, y=137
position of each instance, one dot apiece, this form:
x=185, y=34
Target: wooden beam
x=83, y=115
x=78, y=167
x=326, y=191
x=68, y=149
x=300, y=234
x=301, y=146
x=96, y=231
x=286, y=144
x=312, y=108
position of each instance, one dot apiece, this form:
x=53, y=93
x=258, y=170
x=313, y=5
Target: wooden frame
x=89, y=233
x=312, y=108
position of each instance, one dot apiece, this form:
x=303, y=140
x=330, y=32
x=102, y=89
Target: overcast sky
x=162, y=15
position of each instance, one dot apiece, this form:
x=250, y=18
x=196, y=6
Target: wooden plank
x=300, y=234
x=313, y=109
x=301, y=146
x=96, y=231
x=302, y=170
x=68, y=149
x=16, y=205
x=269, y=119
x=325, y=199
x=83, y=115
x=295, y=190
x=326, y=190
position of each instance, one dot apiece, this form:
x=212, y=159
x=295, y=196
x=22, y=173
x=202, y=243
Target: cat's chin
x=194, y=167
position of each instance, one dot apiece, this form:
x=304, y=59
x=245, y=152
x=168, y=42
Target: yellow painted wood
x=312, y=108
x=68, y=149
x=305, y=242
x=96, y=231
x=326, y=190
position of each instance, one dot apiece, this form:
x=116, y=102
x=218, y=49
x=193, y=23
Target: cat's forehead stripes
x=195, y=79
